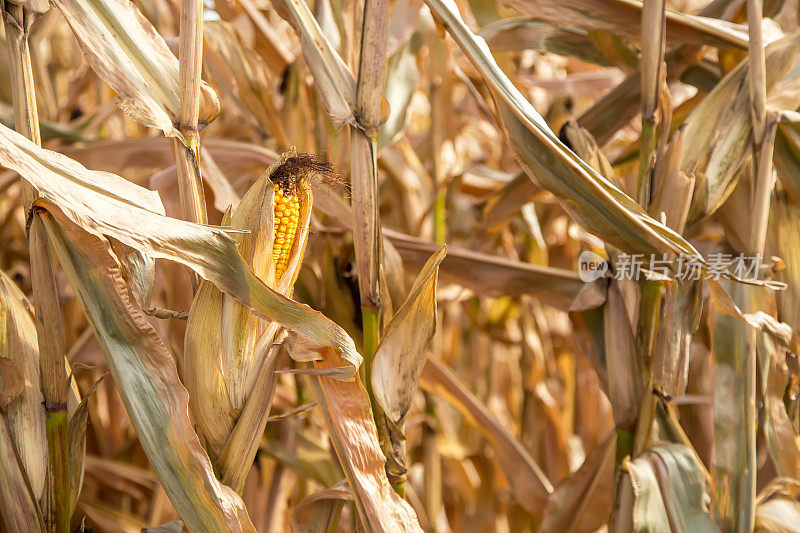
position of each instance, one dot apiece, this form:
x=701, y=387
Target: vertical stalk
x=438, y=99
x=49, y=327
x=762, y=179
x=190, y=184
x=653, y=26
x=364, y=177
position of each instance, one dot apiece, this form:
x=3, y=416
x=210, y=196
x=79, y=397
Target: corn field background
x=419, y=265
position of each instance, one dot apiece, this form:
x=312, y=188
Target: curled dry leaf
x=319, y=511
x=400, y=357
x=582, y=501
x=126, y=52
x=665, y=489
x=348, y=415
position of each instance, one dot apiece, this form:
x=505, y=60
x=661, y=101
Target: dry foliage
x=374, y=266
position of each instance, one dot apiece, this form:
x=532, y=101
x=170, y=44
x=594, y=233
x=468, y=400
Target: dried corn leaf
x=105, y=204
x=145, y=374
x=77, y=444
x=348, y=415
x=778, y=507
x=19, y=343
x=127, y=53
x=625, y=383
x=334, y=81
x=595, y=202
x=400, y=357
x=527, y=34
x=492, y=275
x=528, y=483
x=718, y=131
x=623, y=17
x=18, y=507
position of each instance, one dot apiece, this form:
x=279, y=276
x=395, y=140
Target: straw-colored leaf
x=334, y=81
x=128, y=54
x=778, y=508
x=77, y=444
x=18, y=343
x=582, y=501
x=624, y=16
x=145, y=374
x=718, y=130
x=346, y=409
x=400, y=357
x=319, y=511
x=597, y=204
x=18, y=507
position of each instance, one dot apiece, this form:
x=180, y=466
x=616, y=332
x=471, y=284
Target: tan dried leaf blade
x=348, y=415
x=105, y=204
x=400, y=357
x=126, y=52
x=18, y=343
x=146, y=376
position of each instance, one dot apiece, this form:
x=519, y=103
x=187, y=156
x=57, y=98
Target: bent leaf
x=400, y=357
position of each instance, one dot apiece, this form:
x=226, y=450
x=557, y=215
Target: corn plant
x=436, y=265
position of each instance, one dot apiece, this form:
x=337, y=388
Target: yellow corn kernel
x=287, y=216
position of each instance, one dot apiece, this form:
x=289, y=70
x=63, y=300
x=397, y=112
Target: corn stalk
x=49, y=326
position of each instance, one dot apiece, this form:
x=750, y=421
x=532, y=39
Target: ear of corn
x=286, y=216
x=225, y=343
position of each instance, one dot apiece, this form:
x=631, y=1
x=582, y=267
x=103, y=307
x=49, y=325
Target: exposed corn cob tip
x=288, y=177
x=287, y=215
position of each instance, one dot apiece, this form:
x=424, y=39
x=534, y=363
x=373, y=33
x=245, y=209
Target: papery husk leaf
x=530, y=486
x=147, y=379
x=18, y=508
x=670, y=491
x=105, y=204
x=126, y=52
x=400, y=356
x=346, y=409
x=25, y=415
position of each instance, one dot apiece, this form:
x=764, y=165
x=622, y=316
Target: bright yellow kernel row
x=287, y=216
